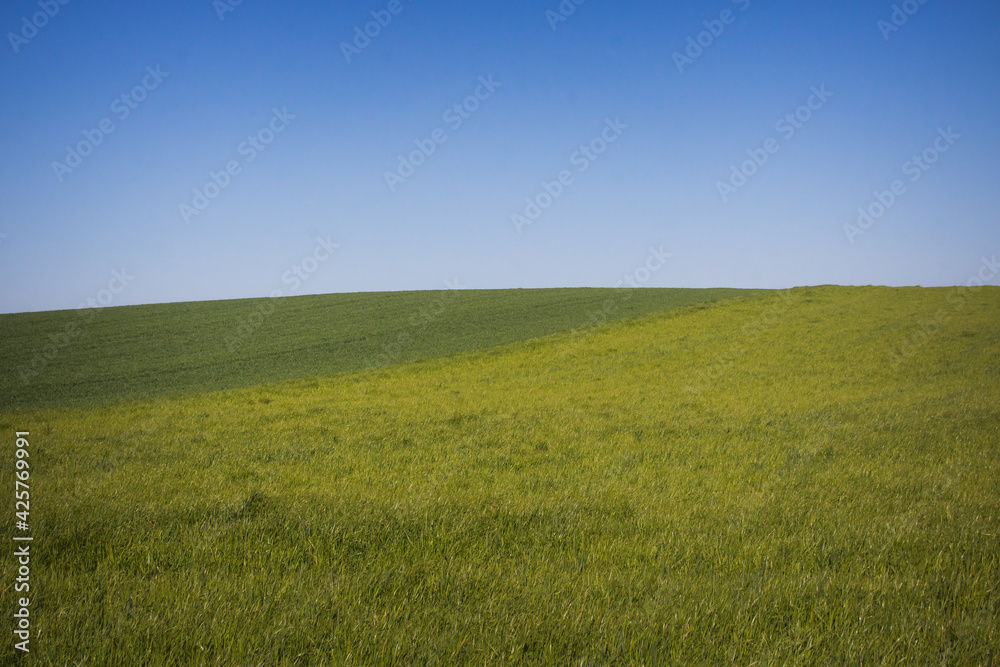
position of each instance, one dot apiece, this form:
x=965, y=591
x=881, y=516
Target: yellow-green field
x=806, y=477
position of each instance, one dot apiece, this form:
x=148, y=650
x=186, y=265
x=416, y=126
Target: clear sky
x=309, y=129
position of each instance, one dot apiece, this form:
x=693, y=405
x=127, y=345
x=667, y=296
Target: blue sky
x=199, y=82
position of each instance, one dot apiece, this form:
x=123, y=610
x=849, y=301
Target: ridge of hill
x=86, y=357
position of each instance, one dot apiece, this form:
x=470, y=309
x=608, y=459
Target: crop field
x=806, y=476
x=86, y=357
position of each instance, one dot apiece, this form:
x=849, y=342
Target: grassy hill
x=87, y=357
x=808, y=477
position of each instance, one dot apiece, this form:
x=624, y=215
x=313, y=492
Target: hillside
x=88, y=357
x=808, y=477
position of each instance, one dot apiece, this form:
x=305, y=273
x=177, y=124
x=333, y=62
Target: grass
x=135, y=352
x=759, y=481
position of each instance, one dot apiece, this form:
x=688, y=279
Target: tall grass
x=568, y=500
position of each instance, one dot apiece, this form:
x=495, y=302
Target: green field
x=809, y=476
x=136, y=352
